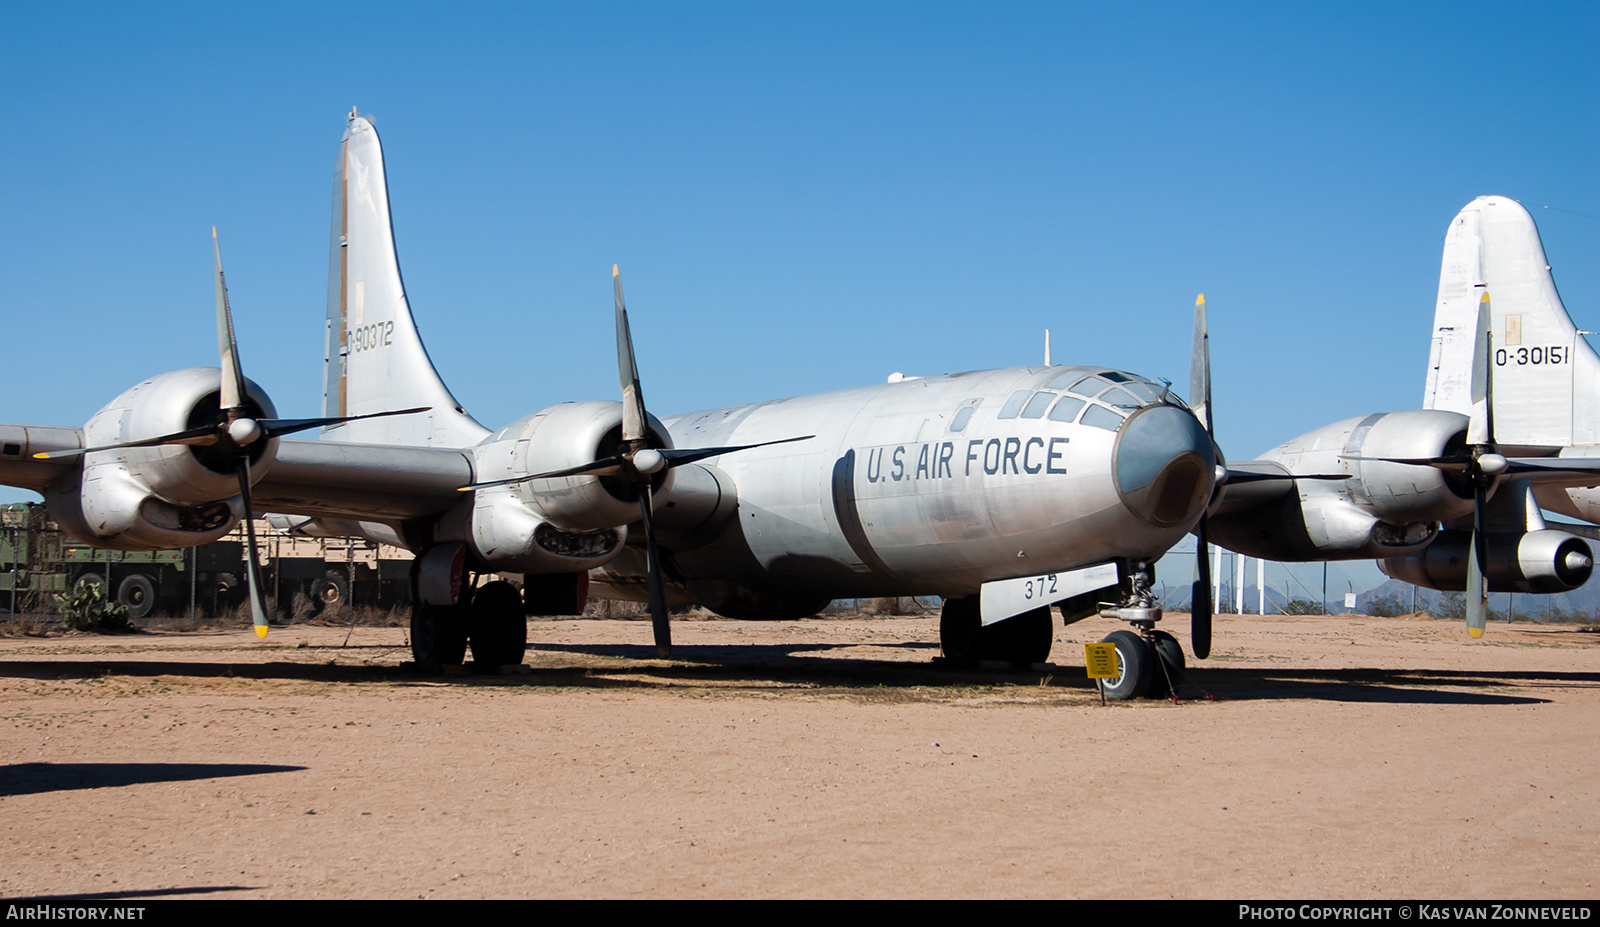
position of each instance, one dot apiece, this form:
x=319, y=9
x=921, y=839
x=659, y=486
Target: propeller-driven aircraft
x=1449, y=496
x=1008, y=493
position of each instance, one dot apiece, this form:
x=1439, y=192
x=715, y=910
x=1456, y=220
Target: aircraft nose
x=1165, y=464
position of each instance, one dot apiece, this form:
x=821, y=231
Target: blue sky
x=802, y=197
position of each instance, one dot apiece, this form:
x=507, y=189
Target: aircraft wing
x=18, y=444
x=363, y=481
x=315, y=478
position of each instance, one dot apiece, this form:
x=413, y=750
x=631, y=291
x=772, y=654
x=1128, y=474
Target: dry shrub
x=29, y=624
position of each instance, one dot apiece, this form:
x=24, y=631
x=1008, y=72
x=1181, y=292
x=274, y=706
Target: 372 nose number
x=1039, y=587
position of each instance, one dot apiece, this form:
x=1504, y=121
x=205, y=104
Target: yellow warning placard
x=1101, y=659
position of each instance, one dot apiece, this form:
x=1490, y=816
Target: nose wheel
x=1149, y=664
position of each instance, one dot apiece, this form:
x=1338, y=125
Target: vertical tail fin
x=1546, y=378
x=375, y=360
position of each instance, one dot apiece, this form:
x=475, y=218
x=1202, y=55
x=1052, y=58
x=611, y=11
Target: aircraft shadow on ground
x=37, y=778
x=760, y=666
x=139, y=893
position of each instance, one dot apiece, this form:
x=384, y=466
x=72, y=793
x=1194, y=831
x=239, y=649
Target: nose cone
x=1165, y=464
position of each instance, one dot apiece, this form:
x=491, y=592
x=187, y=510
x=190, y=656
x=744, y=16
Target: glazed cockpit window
x=1088, y=386
x=1102, y=417
x=1066, y=410
x=1120, y=398
x=1037, y=405
x=1014, y=404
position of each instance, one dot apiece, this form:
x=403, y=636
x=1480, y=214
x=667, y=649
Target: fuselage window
x=1036, y=406
x=1066, y=410
x=962, y=418
x=1102, y=417
x=1014, y=404
x=1116, y=377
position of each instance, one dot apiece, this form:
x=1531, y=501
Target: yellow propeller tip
x=1475, y=632
x=261, y=631
x=1200, y=300
x=614, y=271
x=41, y=456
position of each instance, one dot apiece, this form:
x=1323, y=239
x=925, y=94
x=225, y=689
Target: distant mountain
x=1397, y=598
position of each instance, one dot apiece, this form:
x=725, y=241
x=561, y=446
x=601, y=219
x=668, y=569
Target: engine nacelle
x=506, y=534
x=1546, y=561
x=1384, y=510
x=151, y=498
x=570, y=435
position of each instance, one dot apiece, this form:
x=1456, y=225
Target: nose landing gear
x=1149, y=662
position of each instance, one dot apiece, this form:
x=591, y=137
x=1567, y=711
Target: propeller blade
x=278, y=427
x=258, y=611
x=1200, y=605
x=633, y=414
x=660, y=623
x=227, y=345
x=204, y=435
x=1477, y=556
x=1461, y=462
x=677, y=457
x=1240, y=477
x=610, y=466
x=1200, y=367
x=1480, y=427
x=605, y=466
x=1200, y=600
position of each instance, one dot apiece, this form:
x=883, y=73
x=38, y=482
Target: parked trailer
x=39, y=562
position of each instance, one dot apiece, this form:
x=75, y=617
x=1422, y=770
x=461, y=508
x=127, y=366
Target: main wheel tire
x=137, y=594
x=438, y=635
x=331, y=591
x=498, y=626
x=960, y=630
x=1021, y=640
x=1169, y=668
x=1135, y=662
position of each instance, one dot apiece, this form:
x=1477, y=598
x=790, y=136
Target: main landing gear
x=1022, y=640
x=1149, y=662
x=490, y=617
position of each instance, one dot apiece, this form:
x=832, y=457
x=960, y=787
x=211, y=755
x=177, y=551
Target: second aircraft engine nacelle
x=1384, y=510
x=506, y=534
x=570, y=435
x=151, y=498
x=1546, y=561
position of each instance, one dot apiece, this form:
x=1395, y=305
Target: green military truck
x=39, y=562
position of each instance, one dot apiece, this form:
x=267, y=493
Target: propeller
x=638, y=462
x=235, y=433
x=1200, y=401
x=1484, y=466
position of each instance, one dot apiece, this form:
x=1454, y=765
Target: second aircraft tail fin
x=375, y=360
x=1546, y=378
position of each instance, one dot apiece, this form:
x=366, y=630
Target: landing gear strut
x=1149, y=662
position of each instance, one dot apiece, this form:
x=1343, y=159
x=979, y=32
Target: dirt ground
x=1308, y=758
